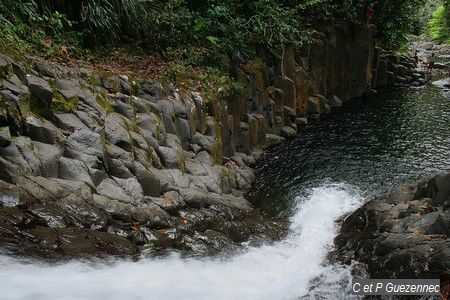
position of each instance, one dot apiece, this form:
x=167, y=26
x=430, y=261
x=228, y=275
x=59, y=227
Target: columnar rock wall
x=94, y=163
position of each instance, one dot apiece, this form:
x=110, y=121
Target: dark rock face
x=402, y=235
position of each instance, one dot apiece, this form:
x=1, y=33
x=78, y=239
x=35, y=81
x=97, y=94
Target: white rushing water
x=282, y=270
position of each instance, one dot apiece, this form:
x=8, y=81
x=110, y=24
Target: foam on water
x=282, y=270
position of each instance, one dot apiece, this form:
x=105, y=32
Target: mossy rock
x=253, y=131
x=217, y=152
x=181, y=159
x=3, y=108
x=159, y=134
x=94, y=80
x=135, y=86
x=12, y=114
x=132, y=125
x=6, y=71
x=61, y=104
x=217, y=149
x=104, y=103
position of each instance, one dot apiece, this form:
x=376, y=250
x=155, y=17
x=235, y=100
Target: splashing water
x=9, y=201
x=279, y=271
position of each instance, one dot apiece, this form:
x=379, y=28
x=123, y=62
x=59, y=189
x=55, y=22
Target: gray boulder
x=149, y=180
x=313, y=105
x=149, y=212
x=40, y=91
x=42, y=130
x=86, y=146
x=171, y=158
x=287, y=131
x=45, y=69
x=49, y=156
x=69, y=122
x=301, y=121
x=72, y=169
x=110, y=189
x=116, y=132
x=335, y=101
x=205, y=142
x=5, y=137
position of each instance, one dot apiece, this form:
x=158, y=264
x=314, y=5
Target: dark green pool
x=393, y=137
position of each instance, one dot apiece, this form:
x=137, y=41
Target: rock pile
x=402, y=235
x=393, y=69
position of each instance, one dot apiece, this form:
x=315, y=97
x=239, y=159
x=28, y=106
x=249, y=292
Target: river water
x=329, y=170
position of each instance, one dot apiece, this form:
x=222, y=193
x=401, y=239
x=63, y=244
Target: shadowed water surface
x=390, y=138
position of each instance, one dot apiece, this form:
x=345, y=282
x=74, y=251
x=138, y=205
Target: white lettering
x=379, y=286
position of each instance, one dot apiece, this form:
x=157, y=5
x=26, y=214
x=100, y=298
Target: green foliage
x=61, y=104
x=425, y=14
x=113, y=21
x=395, y=20
x=24, y=26
x=104, y=103
x=214, y=33
x=439, y=25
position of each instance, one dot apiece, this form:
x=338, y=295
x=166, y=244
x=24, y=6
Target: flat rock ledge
x=404, y=234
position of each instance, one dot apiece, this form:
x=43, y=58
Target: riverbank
x=404, y=234
x=109, y=164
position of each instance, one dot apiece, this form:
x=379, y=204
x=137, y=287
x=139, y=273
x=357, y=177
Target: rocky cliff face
x=107, y=164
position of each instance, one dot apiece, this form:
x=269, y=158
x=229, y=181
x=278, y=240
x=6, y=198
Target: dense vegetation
x=234, y=27
x=439, y=25
x=207, y=34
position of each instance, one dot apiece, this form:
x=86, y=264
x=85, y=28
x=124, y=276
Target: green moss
x=181, y=161
x=135, y=86
x=25, y=104
x=14, y=112
x=230, y=174
x=93, y=80
x=217, y=151
x=3, y=107
x=6, y=71
x=104, y=103
x=132, y=125
x=117, y=87
x=61, y=104
x=159, y=125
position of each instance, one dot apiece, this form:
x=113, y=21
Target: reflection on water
x=390, y=138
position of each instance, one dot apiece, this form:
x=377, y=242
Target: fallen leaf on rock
x=166, y=197
x=135, y=227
